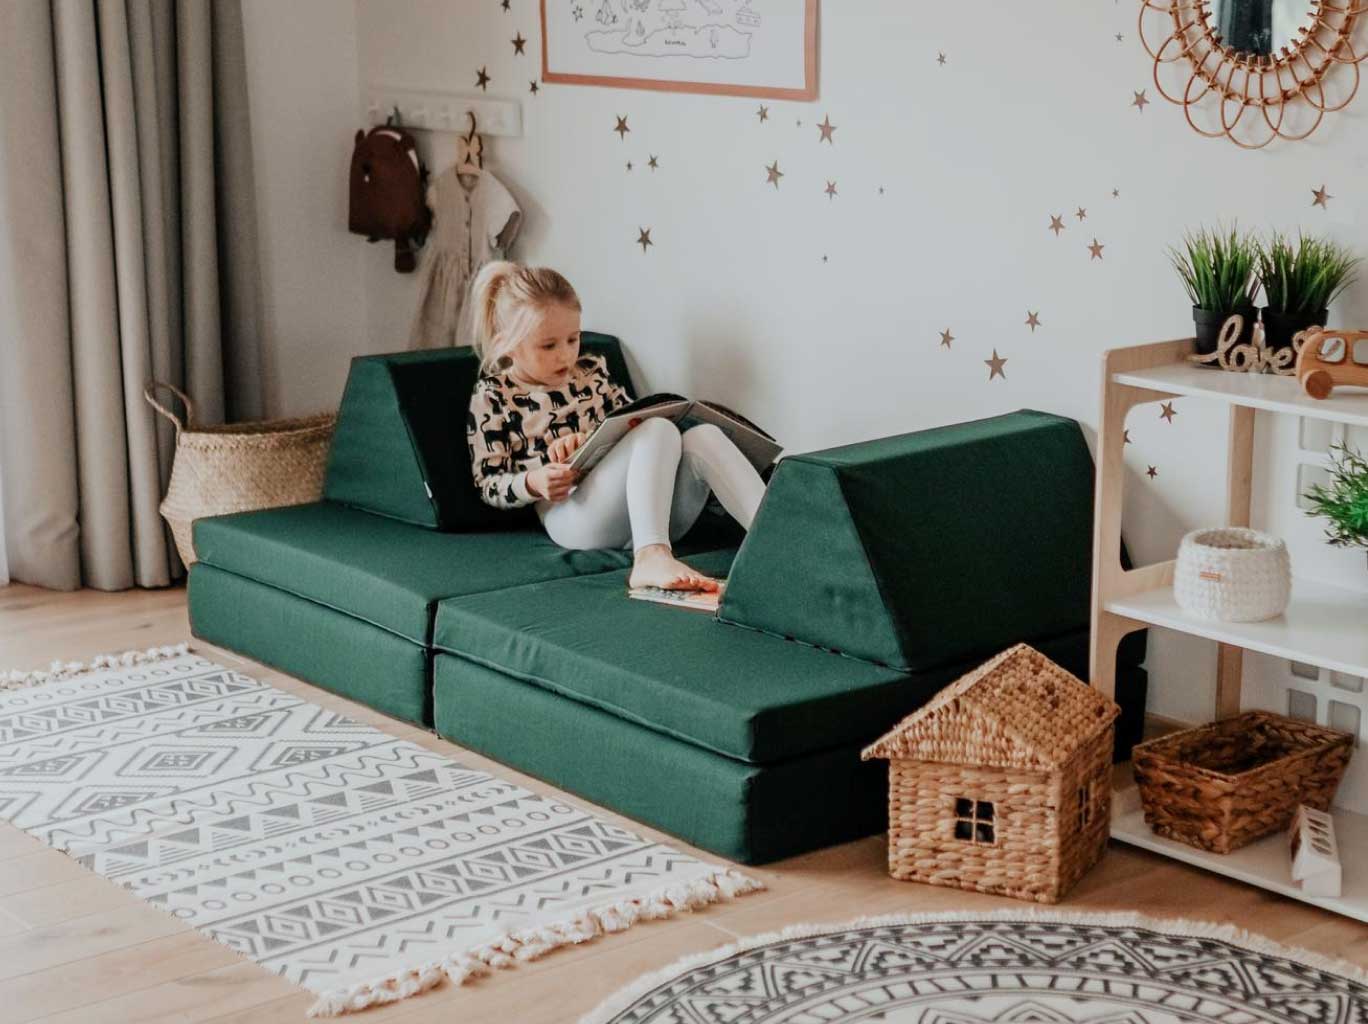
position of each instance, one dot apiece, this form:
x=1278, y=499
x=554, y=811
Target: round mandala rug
x=1003, y=968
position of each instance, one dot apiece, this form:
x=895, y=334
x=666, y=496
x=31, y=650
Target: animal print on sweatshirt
x=510, y=425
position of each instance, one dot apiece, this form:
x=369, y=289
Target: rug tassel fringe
x=60, y=670
x=532, y=943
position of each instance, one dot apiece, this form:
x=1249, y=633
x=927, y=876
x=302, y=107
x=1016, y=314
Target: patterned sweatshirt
x=511, y=423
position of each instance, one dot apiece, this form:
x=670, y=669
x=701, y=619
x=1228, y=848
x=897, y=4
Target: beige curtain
x=127, y=252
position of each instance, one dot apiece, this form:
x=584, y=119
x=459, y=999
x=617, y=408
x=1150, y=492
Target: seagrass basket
x=239, y=467
x=1221, y=786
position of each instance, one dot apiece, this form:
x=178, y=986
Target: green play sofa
x=873, y=575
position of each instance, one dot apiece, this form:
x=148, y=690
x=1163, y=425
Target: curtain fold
x=113, y=117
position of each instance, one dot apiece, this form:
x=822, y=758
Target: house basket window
x=1084, y=804
x=974, y=821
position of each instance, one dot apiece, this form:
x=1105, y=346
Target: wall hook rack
x=435, y=111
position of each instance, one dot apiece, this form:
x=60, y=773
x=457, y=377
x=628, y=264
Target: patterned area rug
x=1009, y=968
x=360, y=866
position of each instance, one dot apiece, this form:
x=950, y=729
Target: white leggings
x=652, y=487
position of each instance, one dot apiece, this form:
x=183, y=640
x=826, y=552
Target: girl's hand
x=560, y=449
x=552, y=481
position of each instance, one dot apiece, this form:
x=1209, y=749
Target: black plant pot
x=1208, y=326
x=1279, y=328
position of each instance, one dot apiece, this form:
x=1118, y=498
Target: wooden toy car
x=1328, y=358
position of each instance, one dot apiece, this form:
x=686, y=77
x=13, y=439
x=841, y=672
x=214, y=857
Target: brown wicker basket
x=239, y=467
x=1221, y=786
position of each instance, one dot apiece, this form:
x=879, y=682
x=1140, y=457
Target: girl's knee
x=704, y=437
x=656, y=430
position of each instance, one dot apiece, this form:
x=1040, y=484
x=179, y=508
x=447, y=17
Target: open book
x=759, y=447
x=698, y=600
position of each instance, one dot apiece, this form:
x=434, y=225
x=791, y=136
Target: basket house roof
x=1017, y=710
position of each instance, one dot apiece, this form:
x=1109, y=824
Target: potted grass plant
x=1218, y=270
x=1300, y=281
x=1344, y=500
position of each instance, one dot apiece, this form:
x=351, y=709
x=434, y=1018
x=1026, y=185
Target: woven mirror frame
x=1247, y=96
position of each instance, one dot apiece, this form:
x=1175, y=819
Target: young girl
x=537, y=401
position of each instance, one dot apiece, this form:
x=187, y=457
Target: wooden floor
x=76, y=948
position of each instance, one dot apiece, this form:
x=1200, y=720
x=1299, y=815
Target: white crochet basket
x=1232, y=574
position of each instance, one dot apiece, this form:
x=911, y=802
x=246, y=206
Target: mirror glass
x=1261, y=27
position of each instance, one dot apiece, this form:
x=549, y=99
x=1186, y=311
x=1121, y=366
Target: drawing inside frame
x=762, y=48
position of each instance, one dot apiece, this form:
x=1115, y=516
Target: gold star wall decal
x=1056, y=224
x=1116, y=193
x=946, y=338
x=826, y=128
x=831, y=190
x=482, y=79
x=644, y=238
x=763, y=113
x=533, y=87
x=1167, y=412
x=504, y=4
x=940, y=58
x=654, y=163
x=1032, y=320
x=1096, y=249
x=1140, y=101
x=1125, y=437
x=629, y=165
x=995, y=366
x=1322, y=198
x=774, y=174
x=518, y=43
x=1152, y=472
x=1081, y=213
x=621, y=128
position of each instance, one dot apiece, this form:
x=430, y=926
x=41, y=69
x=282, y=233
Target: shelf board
x=1257, y=390
x=1265, y=863
x=1324, y=625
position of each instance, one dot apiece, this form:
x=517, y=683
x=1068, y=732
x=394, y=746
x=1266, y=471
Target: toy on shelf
x=1315, y=853
x=1331, y=358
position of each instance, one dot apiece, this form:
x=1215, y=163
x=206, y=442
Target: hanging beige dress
x=475, y=220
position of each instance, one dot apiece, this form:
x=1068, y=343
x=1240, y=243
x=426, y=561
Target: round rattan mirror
x=1254, y=70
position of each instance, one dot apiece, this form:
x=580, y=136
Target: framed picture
x=728, y=47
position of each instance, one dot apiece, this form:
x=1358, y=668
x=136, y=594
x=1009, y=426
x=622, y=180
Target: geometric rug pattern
x=326, y=850
x=998, y=969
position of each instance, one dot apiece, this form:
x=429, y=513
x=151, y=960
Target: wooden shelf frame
x=1316, y=628
x=1110, y=580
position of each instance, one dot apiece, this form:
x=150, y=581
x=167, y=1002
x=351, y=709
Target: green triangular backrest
x=400, y=445
x=924, y=549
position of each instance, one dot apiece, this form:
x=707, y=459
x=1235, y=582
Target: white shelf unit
x=1324, y=626
x=1265, y=863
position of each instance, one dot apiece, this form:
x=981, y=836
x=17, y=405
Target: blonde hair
x=507, y=297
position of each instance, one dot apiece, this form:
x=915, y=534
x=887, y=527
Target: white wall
x=303, y=94
x=1030, y=116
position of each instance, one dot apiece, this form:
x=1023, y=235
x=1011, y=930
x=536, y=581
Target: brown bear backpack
x=388, y=186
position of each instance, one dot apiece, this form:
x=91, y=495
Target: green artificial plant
x=1344, y=501
x=1304, y=278
x=1217, y=268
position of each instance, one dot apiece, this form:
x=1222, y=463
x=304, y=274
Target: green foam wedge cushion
x=923, y=549
x=400, y=448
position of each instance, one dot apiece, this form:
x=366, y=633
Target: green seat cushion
x=400, y=448
x=389, y=573
x=322, y=646
x=924, y=549
x=744, y=812
x=741, y=693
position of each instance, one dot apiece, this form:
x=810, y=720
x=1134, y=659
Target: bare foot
x=656, y=566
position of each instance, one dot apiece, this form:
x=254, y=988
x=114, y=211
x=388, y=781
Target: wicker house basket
x=1221, y=786
x=239, y=467
x=1001, y=783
